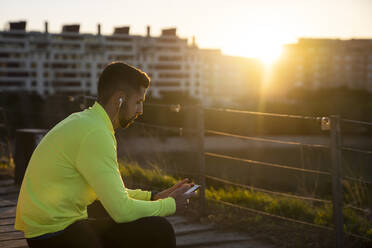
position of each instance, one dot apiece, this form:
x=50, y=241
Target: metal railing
x=335, y=148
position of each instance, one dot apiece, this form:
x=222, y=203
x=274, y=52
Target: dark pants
x=104, y=232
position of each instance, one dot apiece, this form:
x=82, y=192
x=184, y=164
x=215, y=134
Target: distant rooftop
x=21, y=25
x=75, y=28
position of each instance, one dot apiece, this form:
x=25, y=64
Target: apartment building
x=317, y=63
x=70, y=62
x=233, y=76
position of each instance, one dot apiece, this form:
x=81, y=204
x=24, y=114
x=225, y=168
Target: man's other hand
x=182, y=199
x=166, y=193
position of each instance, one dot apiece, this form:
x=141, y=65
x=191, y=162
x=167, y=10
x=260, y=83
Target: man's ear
x=118, y=99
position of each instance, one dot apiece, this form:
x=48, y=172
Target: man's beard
x=124, y=123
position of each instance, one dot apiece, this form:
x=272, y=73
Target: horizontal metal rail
x=268, y=191
x=356, y=150
x=357, y=122
x=357, y=180
x=167, y=128
x=266, y=164
x=266, y=114
x=264, y=139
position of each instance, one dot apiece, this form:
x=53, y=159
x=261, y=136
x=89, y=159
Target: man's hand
x=166, y=193
x=182, y=199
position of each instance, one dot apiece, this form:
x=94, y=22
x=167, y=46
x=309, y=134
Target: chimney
x=46, y=26
x=75, y=28
x=148, y=31
x=99, y=29
x=17, y=26
x=169, y=32
x=121, y=30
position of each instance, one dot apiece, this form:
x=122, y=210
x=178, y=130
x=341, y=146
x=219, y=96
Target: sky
x=238, y=27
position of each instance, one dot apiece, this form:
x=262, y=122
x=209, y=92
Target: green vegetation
x=292, y=208
x=283, y=206
x=136, y=176
x=3, y=165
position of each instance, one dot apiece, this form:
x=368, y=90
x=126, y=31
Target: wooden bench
x=189, y=234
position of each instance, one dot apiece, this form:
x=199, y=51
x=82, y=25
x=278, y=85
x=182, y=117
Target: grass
x=136, y=176
x=292, y=208
x=297, y=209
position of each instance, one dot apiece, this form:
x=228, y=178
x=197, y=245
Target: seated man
x=76, y=164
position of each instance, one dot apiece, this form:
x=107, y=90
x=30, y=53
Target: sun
x=266, y=50
x=268, y=55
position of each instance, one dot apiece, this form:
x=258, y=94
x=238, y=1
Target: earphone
x=120, y=102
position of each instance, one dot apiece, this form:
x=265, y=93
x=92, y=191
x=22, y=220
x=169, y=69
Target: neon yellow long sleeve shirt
x=73, y=165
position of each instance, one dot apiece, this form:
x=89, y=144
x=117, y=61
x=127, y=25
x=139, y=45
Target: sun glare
x=268, y=55
x=266, y=50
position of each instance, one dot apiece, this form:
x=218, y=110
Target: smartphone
x=192, y=189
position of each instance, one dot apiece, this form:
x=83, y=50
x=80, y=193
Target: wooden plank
x=9, y=190
x=7, y=212
x=241, y=244
x=175, y=220
x=210, y=237
x=7, y=221
x=19, y=243
x=7, y=228
x=11, y=197
x=7, y=182
x=192, y=228
x=6, y=202
x=212, y=243
x=11, y=236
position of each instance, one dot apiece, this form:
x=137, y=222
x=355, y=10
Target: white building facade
x=70, y=62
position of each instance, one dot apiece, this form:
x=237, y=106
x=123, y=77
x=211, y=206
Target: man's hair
x=120, y=76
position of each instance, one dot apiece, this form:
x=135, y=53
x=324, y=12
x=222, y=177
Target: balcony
x=18, y=69
x=11, y=49
x=14, y=79
x=10, y=60
x=73, y=80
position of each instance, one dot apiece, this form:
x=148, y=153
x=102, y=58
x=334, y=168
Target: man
x=76, y=163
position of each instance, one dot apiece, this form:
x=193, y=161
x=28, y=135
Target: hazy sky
x=238, y=27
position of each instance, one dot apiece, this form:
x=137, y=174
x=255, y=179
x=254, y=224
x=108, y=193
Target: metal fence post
x=201, y=158
x=336, y=180
x=303, y=179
